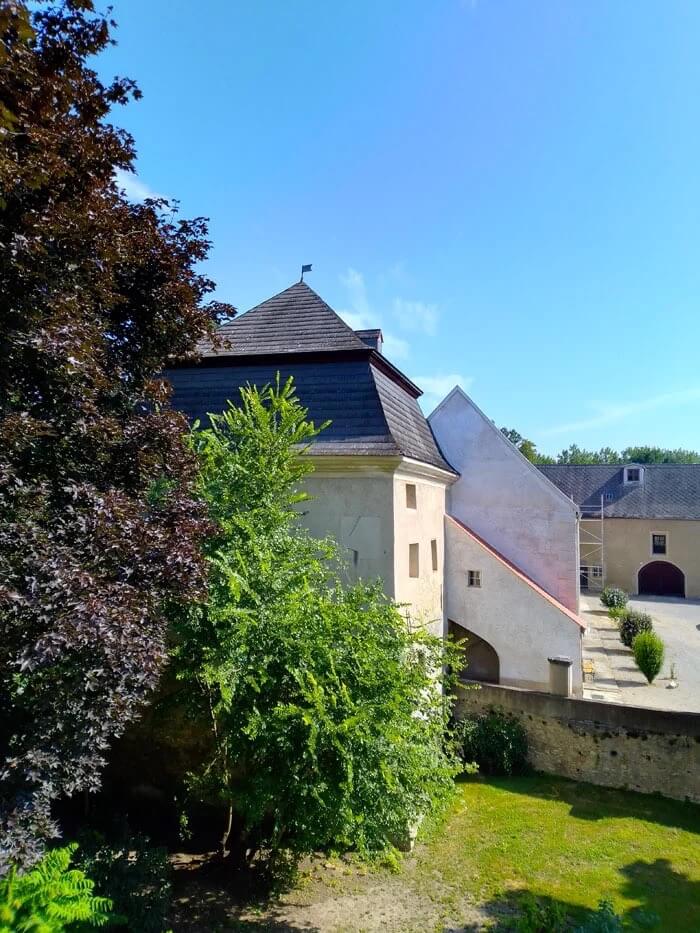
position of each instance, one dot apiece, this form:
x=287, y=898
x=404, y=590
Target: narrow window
x=433, y=553
x=413, y=565
x=411, y=496
x=474, y=578
x=658, y=544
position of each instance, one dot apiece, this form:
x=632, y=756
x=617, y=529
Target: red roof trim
x=517, y=571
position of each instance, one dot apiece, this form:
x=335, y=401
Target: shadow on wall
x=482, y=660
x=653, y=885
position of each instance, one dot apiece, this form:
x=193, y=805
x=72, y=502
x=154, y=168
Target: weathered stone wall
x=647, y=750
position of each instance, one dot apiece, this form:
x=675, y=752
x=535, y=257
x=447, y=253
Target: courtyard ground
x=501, y=841
x=617, y=677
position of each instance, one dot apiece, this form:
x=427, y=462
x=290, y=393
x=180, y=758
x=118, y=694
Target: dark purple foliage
x=99, y=527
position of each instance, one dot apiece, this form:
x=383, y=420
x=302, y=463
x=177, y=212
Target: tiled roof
x=666, y=491
x=296, y=320
x=514, y=569
x=372, y=406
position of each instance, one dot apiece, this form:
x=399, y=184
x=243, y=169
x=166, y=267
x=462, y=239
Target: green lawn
x=559, y=841
x=573, y=843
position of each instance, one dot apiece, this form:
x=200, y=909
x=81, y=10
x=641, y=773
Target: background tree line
x=576, y=454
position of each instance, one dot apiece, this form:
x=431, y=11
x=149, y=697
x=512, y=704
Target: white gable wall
x=522, y=626
x=506, y=500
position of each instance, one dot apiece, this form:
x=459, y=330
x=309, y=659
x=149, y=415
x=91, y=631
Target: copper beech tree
x=99, y=528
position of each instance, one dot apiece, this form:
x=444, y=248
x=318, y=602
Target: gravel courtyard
x=617, y=678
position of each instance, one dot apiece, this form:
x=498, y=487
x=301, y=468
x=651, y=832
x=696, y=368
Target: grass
x=500, y=842
x=571, y=843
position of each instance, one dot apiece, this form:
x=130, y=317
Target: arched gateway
x=482, y=660
x=661, y=578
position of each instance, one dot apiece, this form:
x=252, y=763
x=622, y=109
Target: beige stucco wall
x=420, y=526
x=628, y=549
x=355, y=508
x=523, y=627
x=508, y=501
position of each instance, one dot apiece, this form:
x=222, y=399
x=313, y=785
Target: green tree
x=51, y=898
x=659, y=455
x=325, y=713
x=526, y=447
x=99, y=528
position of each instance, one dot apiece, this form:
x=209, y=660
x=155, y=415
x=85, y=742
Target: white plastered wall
x=522, y=626
x=506, y=500
x=423, y=595
x=354, y=504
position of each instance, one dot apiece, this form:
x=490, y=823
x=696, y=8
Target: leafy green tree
x=51, y=898
x=99, y=528
x=326, y=717
x=659, y=455
x=526, y=447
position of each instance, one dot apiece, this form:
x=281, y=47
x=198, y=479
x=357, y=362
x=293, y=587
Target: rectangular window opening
x=633, y=474
x=597, y=572
x=411, y=499
x=658, y=544
x=474, y=578
x=413, y=560
x=434, y=553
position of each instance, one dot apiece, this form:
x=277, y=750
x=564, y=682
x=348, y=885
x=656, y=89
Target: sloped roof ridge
x=502, y=559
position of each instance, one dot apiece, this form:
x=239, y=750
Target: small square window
x=474, y=578
x=434, y=553
x=413, y=560
x=411, y=501
x=632, y=474
x=597, y=572
x=658, y=544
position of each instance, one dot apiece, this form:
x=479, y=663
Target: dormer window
x=633, y=474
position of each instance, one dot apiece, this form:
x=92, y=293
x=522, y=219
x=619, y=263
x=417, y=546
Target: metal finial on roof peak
x=304, y=269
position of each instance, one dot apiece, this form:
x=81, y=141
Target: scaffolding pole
x=592, y=546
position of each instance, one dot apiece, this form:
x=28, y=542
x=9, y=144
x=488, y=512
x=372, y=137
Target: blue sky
x=509, y=188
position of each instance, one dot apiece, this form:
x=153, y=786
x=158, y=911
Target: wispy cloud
x=361, y=315
x=133, y=187
x=610, y=412
x=416, y=316
x=436, y=387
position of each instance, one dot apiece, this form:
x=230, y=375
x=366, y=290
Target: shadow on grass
x=666, y=900
x=591, y=802
x=212, y=898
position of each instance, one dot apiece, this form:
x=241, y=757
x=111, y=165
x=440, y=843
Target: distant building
x=460, y=528
x=640, y=525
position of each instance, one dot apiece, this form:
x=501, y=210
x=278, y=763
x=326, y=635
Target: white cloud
x=395, y=348
x=416, y=316
x=435, y=388
x=361, y=315
x=610, y=412
x=133, y=187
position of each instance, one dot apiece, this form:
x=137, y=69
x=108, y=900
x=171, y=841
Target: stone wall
x=647, y=750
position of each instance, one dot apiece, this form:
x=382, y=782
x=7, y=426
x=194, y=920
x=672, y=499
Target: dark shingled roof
x=666, y=491
x=373, y=408
x=295, y=321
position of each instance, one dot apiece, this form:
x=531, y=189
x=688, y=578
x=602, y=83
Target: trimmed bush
x=634, y=623
x=648, y=651
x=613, y=597
x=616, y=613
x=495, y=741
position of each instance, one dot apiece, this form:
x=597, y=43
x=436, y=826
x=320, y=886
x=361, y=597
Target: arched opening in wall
x=661, y=578
x=482, y=660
